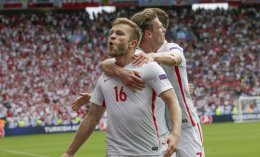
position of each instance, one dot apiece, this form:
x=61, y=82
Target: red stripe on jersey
x=201, y=139
x=182, y=93
x=104, y=104
x=154, y=118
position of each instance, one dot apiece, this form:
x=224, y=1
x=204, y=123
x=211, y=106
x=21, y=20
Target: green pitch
x=220, y=140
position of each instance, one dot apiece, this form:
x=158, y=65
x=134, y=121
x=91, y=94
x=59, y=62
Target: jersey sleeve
x=97, y=96
x=156, y=77
x=175, y=48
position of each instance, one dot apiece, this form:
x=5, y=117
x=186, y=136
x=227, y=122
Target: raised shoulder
x=151, y=64
x=173, y=46
x=152, y=69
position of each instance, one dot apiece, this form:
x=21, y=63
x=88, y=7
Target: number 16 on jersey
x=120, y=94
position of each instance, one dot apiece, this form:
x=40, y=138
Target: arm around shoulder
x=109, y=67
x=167, y=58
x=130, y=78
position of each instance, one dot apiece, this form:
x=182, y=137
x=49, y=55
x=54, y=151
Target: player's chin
x=111, y=50
x=163, y=38
x=112, y=53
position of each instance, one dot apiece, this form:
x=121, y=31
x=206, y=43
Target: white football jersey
x=177, y=75
x=131, y=123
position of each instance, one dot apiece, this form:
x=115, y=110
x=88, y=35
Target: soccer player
x=132, y=128
x=191, y=141
x=171, y=58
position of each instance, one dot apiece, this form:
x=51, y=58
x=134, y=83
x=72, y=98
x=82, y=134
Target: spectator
x=50, y=57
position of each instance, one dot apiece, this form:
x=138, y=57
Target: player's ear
x=147, y=33
x=133, y=44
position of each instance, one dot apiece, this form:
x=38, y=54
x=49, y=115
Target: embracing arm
x=170, y=99
x=109, y=67
x=86, y=128
x=130, y=78
x=167, y=58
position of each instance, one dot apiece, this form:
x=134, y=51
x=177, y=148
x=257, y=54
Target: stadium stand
x=47, y=59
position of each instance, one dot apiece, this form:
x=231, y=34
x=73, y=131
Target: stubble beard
x=121, y=51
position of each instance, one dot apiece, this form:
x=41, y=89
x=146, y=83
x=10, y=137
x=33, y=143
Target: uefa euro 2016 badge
x=163, y=76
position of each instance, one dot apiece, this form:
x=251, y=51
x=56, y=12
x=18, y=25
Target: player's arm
x=170, y=99
x=81, y=100
x=86, y=127
x=167, y=58
x=130, y=78
x=156, y=77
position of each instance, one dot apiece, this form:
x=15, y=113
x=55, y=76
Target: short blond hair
x=136, y=34
x=144, y=19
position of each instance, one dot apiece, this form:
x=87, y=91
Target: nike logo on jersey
x=107, y=79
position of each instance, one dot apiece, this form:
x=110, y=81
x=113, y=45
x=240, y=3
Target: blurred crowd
x=47, y=59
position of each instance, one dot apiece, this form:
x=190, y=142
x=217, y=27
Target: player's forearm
x=109, y=67
x=86, y=128
x=167, y=58
x=175, y=113
x=175, y=116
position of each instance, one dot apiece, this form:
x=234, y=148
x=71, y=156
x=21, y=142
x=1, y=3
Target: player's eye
x=110, y=33
x=120, y=33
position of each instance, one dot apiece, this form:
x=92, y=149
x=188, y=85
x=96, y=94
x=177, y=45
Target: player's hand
x=143, y=58
x=171, y=140
x=80, y=101
x=132, y=79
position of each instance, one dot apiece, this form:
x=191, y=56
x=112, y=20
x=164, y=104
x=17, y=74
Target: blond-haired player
x=171, y=58
x=132, y=128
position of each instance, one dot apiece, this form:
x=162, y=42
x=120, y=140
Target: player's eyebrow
x=120, y=32
x=117, y=31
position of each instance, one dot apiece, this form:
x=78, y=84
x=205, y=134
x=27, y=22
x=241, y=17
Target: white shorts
x=190, y=143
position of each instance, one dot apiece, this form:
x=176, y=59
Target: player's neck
x=147, y=48
x=124, y=60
